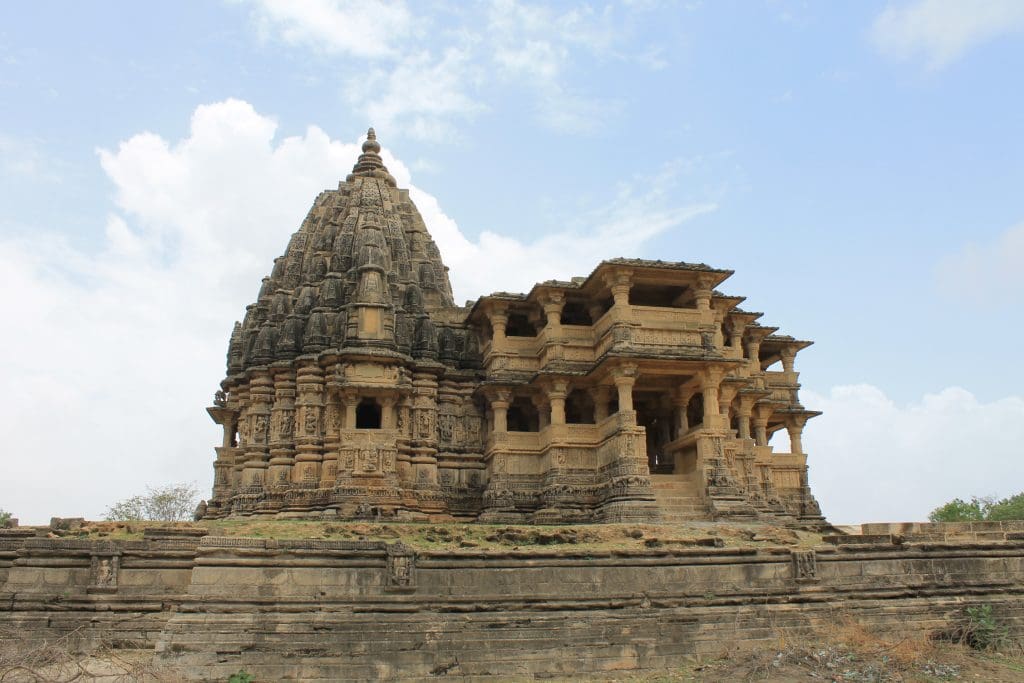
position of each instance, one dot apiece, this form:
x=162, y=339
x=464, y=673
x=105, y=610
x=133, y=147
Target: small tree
x=980, y=509
x=1007, y=508
x=959, y=510
x=5, y=517
x=171, y=503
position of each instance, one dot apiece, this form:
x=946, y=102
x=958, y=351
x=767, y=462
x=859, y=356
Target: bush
x=5, y=517
x=980, y=630
x=979, y=509
x=171, y=503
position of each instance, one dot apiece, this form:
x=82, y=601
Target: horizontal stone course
x=315, y=611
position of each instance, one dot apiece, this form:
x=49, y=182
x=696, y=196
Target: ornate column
x=795, y=427
x=601, y=396
x=500, y=401
x=620, y=282
x=557, y=390
x=761, y=415
x=712, y=379
x=261, y=396
x=309, y=426
x=499, y=319
x=703, y=293
x=332, y=441
x=744, y=412
x=681, y=401
x=754, y=353
x=788, y=357
x=387, y=411
x=543, y=407
x=624, y=377
x=282, y=429
x=553, y=304
x=350, y=399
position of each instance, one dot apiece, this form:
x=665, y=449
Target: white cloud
x=419, y=96
x=361, y=28
x=942, y=31
x=425, y=80
x=874, y=460
x=111, y=355
x=987, y=273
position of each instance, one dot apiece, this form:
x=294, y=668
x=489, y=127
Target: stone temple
x=357, y=388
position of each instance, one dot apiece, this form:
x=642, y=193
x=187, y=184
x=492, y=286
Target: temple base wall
x=349, y=610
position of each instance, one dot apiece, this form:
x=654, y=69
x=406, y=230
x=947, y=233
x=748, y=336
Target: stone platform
x=329, y=610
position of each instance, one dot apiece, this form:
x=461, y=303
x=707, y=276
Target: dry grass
x=466, y=536
x=70, y=658
x=849, y=651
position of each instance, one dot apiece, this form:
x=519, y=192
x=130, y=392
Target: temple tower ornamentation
x=356, y=388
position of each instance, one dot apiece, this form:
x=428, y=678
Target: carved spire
x=370, y=164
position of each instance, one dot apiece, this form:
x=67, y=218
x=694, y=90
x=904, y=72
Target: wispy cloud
x=134, y=332
x=427, y=79
x=988, y=273
x=359, y=28
x=942, y=31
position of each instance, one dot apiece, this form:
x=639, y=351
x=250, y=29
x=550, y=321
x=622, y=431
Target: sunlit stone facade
x=357, y=388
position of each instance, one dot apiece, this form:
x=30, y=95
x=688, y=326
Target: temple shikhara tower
x=356, y=387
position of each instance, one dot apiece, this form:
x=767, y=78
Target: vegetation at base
x=984, y=509
x=980, y=630
x=240, y=677
x=170, y=503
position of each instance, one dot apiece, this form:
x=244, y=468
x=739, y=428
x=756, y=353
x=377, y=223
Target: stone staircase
x=677, y=499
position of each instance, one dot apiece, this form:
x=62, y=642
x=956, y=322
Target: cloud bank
x=942, y=31
x=874, y=460
x=112, y=354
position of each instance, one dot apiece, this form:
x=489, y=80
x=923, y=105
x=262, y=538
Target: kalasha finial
x=371, y=146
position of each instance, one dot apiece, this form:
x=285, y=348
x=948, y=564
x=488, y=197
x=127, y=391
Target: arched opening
x=368, y=414
x=522, y=416
x=575, y=313
x=519, y=325
x=695, y=410
x=579, y=408
x=662, y=296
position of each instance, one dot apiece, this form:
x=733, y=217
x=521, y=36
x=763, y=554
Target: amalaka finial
x=371, y=146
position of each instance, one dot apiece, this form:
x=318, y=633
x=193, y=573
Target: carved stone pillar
x=754, y=354
x=332, y=441
x=761, y=415
x=543, y=407
x=601, y=396
x=261, y=396
x=624, y=377
x=795, y=427
x=387, y=412
x=711, y=381
x=351, y=401
x=553, y=304
x=620, y=282
x=557, y=391
x=309, y=425
x=500, y=401
x=788, y=357
x=743, y=415
x=282, y=432
x=703, y=294
x=499, y=319
x=596, y=310
x=681, y=402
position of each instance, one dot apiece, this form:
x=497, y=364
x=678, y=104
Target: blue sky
x=859, y=165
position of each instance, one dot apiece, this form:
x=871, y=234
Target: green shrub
x=979, y=509
x=240, y=677
x=980, y=630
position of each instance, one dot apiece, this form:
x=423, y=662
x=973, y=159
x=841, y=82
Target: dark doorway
x=368, y=414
